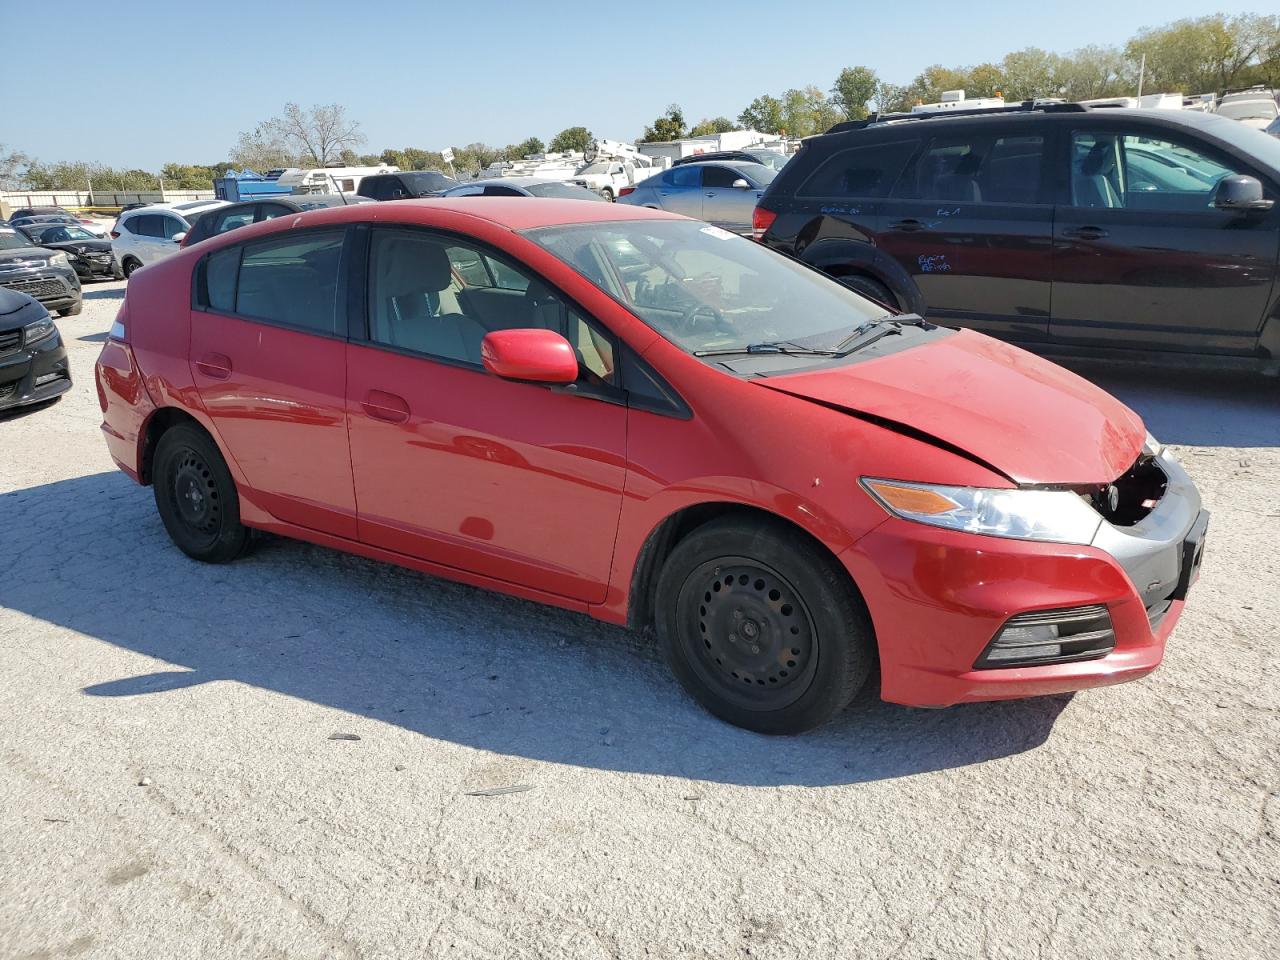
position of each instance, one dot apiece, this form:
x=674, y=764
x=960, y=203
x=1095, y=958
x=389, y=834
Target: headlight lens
x=40, y=330
x=58, y=259
x=1151, y=447
x=1056, y=516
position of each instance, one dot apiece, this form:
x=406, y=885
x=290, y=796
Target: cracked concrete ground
x=1136, y=821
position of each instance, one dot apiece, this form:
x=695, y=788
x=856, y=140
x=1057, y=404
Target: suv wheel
x=196, y=496
x=73, y=310
x=760, y=627
x=129, y=265
x=868, y=287
x=607, y=194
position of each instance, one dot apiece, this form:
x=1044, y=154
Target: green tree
x=524, y=148
x=669, y=126
x=12, y=166
x=571, y=138
x=1207, y=53
x=764, y=113
x=984, y=80
x=1032, y=73
x=854, y=88
x=807, y=111
x=412, y=158
x=705, y=128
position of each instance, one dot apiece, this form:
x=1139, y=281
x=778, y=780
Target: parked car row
x=33, y=360
x=45, y=274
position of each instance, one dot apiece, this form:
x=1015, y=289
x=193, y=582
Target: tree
x=190, y=176
x=854, y=87
x=891, y=98
x=262, y=149
x=411, y=158
x=984, y=80
x=1205, y=54
x=808, y=111
x=705, y=128
x=669, y=126
x=1032, y=73
x=525, y=147
x=315, y=137
x=571, y=138
x=12, y=163
x=1094, y=72
x=764, y=113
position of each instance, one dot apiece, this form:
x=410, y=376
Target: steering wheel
x=690, y=322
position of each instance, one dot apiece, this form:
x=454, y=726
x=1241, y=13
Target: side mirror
x=179, y=237
x=740, y=184
x=1239, y=194
x=532, y=355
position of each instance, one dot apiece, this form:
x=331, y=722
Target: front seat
x=410, y=275
x=1090, y=185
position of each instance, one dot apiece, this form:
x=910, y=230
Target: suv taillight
x=761, y=221
x=115, y=234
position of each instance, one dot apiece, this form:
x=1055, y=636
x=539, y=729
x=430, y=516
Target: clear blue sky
x=178, y=81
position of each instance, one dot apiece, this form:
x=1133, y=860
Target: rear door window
x=865, y=171
x=147, y=225
x=220, y=272
x=976, y=169
x=292, y=281
x=685, y=176
x=720, y=176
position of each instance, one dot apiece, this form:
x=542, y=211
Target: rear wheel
x=870, y=288
x=761, y=627
x=129, y=265
x=607, y=194
x=196, y=496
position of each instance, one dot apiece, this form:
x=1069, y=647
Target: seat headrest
x=411, y=265
x=1096, y=159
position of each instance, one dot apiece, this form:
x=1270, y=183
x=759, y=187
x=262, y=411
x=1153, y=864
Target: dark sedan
x=33, y=361
x=90, y=256
x=44, y=274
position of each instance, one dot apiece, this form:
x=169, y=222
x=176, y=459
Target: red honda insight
x=655, y=422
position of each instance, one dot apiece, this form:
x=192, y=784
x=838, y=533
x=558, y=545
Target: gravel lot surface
x=171, y=784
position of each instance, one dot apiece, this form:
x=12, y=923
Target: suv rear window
x=976, y=169
x=863, y=171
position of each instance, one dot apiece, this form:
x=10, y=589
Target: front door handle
x=910, y=225
x=381, y=405
x=1085, y=233
x=215, y=366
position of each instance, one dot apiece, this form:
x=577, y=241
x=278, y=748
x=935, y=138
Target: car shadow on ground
x=1195, y=407
x=102, y=292
x=444, y=660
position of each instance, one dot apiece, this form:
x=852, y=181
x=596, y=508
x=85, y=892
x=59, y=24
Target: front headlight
x=58, y=259
x=1056, y=516
x=1151, y=447
x=40, y=330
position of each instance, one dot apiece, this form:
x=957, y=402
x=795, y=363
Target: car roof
x=511, y=181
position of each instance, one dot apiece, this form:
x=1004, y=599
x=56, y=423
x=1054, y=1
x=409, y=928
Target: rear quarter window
x=869, y=170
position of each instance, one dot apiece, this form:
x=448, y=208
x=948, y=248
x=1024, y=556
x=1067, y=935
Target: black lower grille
x=41, y=288
x=1050, y=636
x=7, y=390
x=10, y=340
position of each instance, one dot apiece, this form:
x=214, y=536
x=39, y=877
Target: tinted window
x=497, y=191
x=866, y=171
x=976, y=169
x=427, y=181
x=147, y=225
x=1141, y=173
x=220, y=280
x=719, y=176
x=231, y=221
x=440, y=298
x=13, y=241
x=687, y=176
x=292, y=280
x=564, y=191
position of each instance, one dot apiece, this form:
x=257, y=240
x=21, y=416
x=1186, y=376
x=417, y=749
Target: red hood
x=1030, y=419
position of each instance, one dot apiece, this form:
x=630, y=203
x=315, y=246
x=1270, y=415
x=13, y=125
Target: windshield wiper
x=786, y=347
x=885, y=326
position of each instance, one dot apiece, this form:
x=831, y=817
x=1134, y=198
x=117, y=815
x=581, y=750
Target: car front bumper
x=56, y=287
x=938, y=597
x=34, y=374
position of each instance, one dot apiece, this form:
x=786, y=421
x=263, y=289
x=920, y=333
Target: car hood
x=1023, y=416
x=22, y=256
x=81, y=246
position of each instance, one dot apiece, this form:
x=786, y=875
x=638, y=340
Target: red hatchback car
x=652, y=421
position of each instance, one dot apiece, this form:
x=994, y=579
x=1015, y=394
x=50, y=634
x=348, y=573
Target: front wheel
x=130, y=264
x=196, y=496
x=761, y=627
x=73, y=310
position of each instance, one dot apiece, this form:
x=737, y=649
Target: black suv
x=405, y=185
x=33, y=361
x=1061, y=227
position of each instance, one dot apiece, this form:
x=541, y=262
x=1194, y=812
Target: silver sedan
x=723, y=193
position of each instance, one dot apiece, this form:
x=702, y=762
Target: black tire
x=784, y=642
x=870, y=288
x=73, y=310
x=129, y=265
x=607, y=194
x=196, y=496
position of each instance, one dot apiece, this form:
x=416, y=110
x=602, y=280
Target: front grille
x=42, y=288
x=10, y=340
x=7, y=390
x=1050, y=636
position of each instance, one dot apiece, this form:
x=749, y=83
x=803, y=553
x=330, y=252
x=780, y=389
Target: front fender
x=836, y=254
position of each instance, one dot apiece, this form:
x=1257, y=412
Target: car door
x=725, y=205
x=516, y=481
x=971, y=220
x=149, y=242
x=268, y=338
x=1142, y=258
x=679, y=190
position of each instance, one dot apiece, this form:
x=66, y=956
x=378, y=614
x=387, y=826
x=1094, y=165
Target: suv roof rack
x=1027, y=106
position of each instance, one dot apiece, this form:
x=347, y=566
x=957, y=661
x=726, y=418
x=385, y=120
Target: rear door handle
x=215, y=366
x=1085, y=233
x=909, y=225
x=381, y=405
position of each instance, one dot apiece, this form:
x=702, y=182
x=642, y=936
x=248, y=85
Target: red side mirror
x=534, y=355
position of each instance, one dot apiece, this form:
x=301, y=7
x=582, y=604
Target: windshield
x=758, y=172
x=61, y=234
x=562, y=191
x=600, y=166
x=706, y=289
x=11, y=240
x=422, y=182
x=1250, y=140
x=1249, y=110
x=774, y=161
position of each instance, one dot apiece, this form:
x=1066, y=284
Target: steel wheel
x=194, y=496
x=747, y=633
